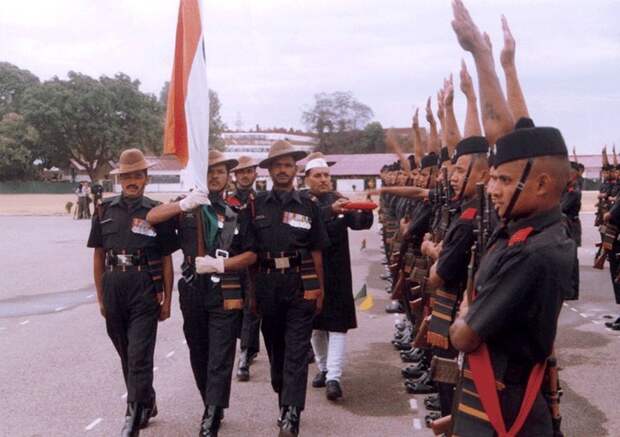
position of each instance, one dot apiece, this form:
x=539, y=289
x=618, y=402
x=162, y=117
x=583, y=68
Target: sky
x=267, y=59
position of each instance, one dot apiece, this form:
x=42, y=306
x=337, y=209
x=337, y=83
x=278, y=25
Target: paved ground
x=60, y=375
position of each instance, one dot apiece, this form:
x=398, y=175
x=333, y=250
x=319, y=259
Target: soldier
x=508, y=330
x=243, y=198
x=290, y=236
x=338, y=314
x=133, y=276
x=571, y=206
x=216, y=247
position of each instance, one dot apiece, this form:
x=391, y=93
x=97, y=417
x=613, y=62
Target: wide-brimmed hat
x=279, y=149
x=216, y=157
x=131, y=160
x=245, y=162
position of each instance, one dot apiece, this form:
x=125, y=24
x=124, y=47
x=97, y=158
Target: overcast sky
x=268, y=58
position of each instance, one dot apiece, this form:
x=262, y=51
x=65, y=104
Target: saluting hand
x=193, y=200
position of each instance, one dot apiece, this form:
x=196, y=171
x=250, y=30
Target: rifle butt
x=442, y=425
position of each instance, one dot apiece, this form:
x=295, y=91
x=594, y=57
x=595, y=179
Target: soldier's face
x=459, y=172
x=282, y=171
x=319, y=181
x=503, y=184
x=217, y=178
x=133, y=183
x=245, y=178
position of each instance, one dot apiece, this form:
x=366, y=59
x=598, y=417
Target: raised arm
x=394, y=146
x=402, y=191
x=453, y=133
x=166, y=211
x=434, y=142
x=516, y=100
x=497, y=119
x=441, y=115
x=418, y=146
x=472, y=121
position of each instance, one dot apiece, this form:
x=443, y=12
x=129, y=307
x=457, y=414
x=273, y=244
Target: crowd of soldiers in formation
x=480, y=232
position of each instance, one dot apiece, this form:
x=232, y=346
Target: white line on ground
x=598, y=322
x=25, y=322
x=573, y=309
x=155, y=369
x=93, y=424
x=169, y=354
x=2, y=328
x=59, y=309
x=184, y=341
x=565, y=304
x=89, y=296
x=585, y=316
x=413, y=404
x=417, y=424
x=124, y=396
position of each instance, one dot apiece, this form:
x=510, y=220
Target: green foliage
x=13, y=83
x=372, y=138
x=16, y=139
x=337, y=119
x=216, y=125
x=91, y=120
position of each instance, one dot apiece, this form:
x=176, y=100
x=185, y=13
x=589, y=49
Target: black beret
x=429, y=160
x=608, y=167
x=444, y=155
x=471, y=146
x=411, y=159
x=574, y=165
x=617, y=166
x=527, y=141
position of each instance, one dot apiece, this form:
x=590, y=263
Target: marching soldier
x=289, y=236
x=216, y=247
x=133, y=276
x=243, y=198
x=507, y=331
x=338, y=314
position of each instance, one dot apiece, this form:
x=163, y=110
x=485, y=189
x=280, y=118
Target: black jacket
x=338, y=313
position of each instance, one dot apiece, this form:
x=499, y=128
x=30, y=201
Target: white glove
x=194, y=200
x=208, y=264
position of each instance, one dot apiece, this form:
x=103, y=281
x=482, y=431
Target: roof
x=165, y=163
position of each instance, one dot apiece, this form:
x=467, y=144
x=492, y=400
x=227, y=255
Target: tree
x=216, y=125
x=372, y=138
x=16, y=140
x=91, y=120
x=13, y=83
x=336, y=118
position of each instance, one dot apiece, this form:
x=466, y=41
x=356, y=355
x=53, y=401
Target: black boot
x=243, y=371
x=211, y=419
x=147, y=413
x=319, y=380
x=290, y=424
x=333, y=390
x=132, y=420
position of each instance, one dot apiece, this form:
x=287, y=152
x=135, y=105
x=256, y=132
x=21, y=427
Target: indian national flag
x=187, y=118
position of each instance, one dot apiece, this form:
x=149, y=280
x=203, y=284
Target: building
x=257, y=144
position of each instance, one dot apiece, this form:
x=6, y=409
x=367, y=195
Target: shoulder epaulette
x=469, y=214
x=520, y=236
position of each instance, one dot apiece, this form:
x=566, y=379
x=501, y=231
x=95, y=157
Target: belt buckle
x=282, y=262
x=222, y=253
x=124, y=259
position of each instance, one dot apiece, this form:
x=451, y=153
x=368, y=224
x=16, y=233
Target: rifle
x=552, y=392
x=609, y=234
x=442, y=426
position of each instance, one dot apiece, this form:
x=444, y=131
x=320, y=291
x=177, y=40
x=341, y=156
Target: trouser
x=250, y=331
x=574, y=292
x=211, y=334
x=445, y=391
x=614, y=269
x=287, y=327
x=329, y=350
x=132, y=314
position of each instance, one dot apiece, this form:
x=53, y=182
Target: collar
x=294, y=194
x=538, y=222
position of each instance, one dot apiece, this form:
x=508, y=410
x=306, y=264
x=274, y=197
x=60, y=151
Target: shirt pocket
x=108, y=227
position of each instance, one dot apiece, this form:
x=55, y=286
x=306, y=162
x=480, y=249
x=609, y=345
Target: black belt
x=124, y=261
x=281, y=262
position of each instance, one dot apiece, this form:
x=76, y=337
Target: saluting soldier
x=508, y=330
x=290, y=236
x=216, y=248
x=338, y=313
x=243, y=198
x=133, y=276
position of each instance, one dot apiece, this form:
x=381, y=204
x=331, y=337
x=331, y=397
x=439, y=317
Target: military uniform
x=287, y=227
x=212, y=303
x=571, y=206
x=133, y=275
x=243, y=200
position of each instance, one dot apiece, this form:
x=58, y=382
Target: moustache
x=281, y=174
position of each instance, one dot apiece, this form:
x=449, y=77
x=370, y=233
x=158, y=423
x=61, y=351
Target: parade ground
x=60, y=375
